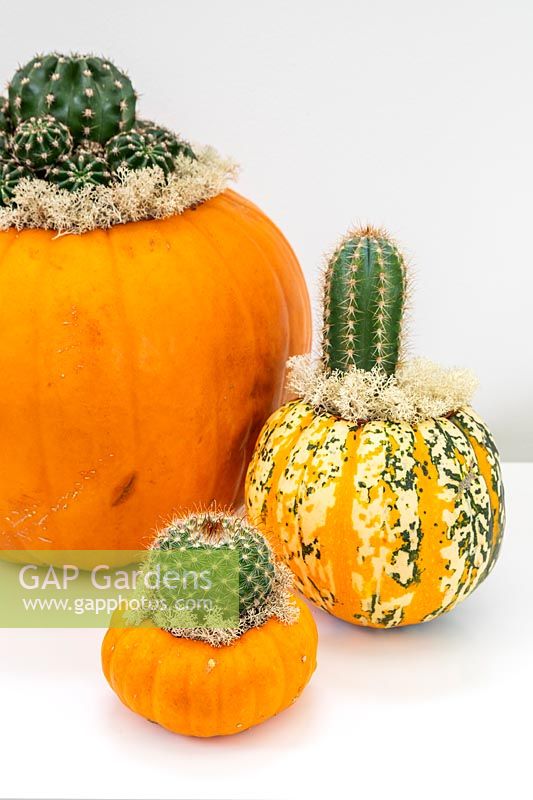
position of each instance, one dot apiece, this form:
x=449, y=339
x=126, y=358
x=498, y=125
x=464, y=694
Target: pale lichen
x=135, y=195
x=418, y=390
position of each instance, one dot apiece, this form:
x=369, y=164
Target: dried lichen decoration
x=134, y=196
x=418, y=390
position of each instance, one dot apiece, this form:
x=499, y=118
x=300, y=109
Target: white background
x=410, y=114
x=440, y=711
x=418, y=116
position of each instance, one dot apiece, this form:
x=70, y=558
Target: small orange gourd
x=193, y=687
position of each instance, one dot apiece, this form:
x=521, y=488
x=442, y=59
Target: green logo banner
x=185, y=589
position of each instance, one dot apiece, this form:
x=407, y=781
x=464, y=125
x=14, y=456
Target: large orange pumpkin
x=138, y=365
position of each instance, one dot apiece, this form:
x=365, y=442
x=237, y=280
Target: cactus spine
x=5, y=122
x=217, y=530
x=40, y=141
x=11, y=173
x=82, y=168
x=136, y=151
x=364, y=300
x=88, y=94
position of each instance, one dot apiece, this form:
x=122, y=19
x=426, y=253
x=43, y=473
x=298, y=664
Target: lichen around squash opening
x=418, y=390
x=135, y=195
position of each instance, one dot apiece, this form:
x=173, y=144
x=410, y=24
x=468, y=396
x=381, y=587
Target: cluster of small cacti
x=71, y=120
x=217, y=530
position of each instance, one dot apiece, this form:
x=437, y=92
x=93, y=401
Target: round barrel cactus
x=39, y=142
x=136, y=151
x=81, y=168
x=255, y=557
x=166, y=137
x=11, y=173
x=88, y=94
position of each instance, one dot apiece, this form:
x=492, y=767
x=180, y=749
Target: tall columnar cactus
x=364, y=299
x=11, y=173
x=39, y=142
x=88, y=94
x=217, y=530
x=82, y=168
x=136, y=151
x=166, y=137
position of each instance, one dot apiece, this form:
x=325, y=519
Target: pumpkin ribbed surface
x=193, y=688
x=138, y=365
x=385, y=523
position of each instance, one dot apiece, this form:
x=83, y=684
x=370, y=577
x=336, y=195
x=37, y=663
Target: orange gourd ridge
x=185, y=682
x=393, y=517
x=139, y=360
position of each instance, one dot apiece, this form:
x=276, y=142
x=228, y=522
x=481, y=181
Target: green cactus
x=184, y=149
x=39, y=142
x=136, y=151
x=95, y=148
x=5, y=121
x=80, y=169
x=88, y=94
x=5, y=129
x=11, y=173
x=217, y=530
x=166, y=137
x=364, y=299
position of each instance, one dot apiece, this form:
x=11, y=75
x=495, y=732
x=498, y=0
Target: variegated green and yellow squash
x=383, y=522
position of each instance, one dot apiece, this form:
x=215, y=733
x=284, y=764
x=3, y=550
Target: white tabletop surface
x=441, y=710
